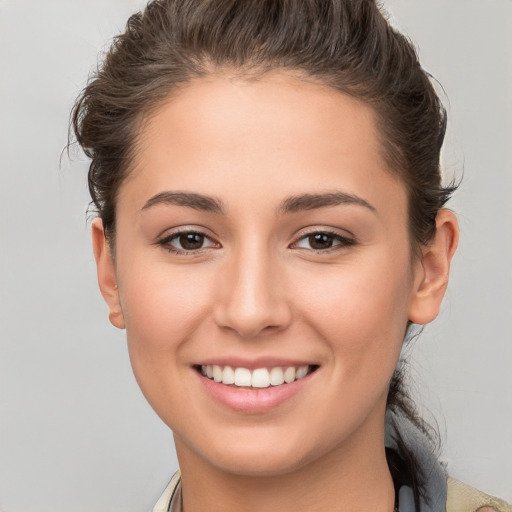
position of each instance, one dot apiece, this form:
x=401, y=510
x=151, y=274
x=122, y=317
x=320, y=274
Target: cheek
x=360, y=317
x=162, y=307
x=360, y=311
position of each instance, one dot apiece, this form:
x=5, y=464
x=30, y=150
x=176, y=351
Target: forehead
x=268, y=137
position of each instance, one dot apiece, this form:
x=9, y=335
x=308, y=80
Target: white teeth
x=243, y=377
x=217, y=373
x=302, y=371
x=228, y=375
x=259, y=378
x=289, y=374
x=276, y=376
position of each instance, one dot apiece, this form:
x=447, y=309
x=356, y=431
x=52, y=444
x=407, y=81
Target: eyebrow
x=292, y=204
x=313, y=201
x=188, y=199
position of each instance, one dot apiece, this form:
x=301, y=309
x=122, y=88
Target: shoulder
x=463, y=498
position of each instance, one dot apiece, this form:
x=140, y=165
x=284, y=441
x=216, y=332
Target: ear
x=433, y=269
x=106, y=274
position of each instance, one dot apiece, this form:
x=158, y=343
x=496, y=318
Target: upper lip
x=253, y=364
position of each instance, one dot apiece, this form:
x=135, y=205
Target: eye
x=323, y=241
x=187, y=242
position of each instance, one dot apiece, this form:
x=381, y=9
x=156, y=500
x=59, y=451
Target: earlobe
x=106, y=274
x=433, y=269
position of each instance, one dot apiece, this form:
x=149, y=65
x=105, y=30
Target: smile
x=257, y=378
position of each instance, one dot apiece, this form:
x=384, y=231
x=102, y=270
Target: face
x=261, y=240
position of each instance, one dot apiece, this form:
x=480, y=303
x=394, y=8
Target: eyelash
x=166, y=242
x=336, y=237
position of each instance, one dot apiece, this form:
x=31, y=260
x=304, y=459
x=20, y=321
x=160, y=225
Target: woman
x=270, y=225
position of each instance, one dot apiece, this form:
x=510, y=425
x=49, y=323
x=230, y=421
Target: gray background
x=75, y=433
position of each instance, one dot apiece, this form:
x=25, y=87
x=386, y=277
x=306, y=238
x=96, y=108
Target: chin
x=261, y=464
x=260, y=454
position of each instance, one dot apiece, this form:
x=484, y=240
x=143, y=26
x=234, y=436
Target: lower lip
x=253, y=400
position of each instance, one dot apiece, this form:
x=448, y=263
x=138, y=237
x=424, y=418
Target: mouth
x=255, y=387
x=258, y=378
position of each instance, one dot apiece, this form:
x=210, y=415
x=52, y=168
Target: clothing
x=442, y=494
x=461, y=498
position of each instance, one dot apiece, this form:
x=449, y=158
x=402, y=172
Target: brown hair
x=345, y=44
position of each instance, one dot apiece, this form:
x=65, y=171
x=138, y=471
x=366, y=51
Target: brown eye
x=320, y=241
x=191, y=241
x=187, y=242
x=323, y=241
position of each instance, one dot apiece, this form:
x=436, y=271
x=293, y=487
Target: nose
x=252, y=295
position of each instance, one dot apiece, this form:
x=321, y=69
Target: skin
x=257, y=288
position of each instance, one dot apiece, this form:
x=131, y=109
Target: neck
x=353, y=477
